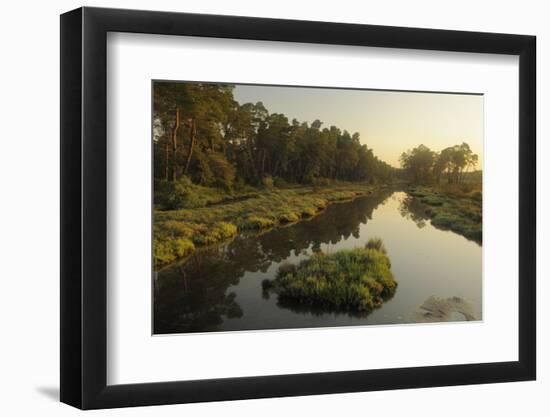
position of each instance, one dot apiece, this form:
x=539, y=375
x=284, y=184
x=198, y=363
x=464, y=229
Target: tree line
x=202, y=132
x=422, y=165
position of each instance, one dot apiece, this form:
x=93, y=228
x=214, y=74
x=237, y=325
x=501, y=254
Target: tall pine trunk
x=175, y=145
x=192, y=135
x=166, y=160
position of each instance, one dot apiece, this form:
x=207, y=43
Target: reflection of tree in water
x=192, y=296
x=411, y=208
x=183, y=303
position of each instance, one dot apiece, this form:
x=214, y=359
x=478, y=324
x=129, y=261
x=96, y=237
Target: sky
x=389, y=122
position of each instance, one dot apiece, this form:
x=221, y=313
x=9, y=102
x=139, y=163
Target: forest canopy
x=201, y=132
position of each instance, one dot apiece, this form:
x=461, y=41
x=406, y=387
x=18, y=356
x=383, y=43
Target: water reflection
x=192, y=296
x=306, y=309
x=411, y=208
x=220, y=288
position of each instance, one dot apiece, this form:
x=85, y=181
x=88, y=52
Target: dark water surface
x=219, y=289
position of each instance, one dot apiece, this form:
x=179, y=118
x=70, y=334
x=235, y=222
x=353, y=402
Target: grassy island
x=356, y=280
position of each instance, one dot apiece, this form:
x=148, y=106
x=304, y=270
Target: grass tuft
x=309, y=212
x=356, y=280
x=256, y=223
x=289, y=217
x=377, y=244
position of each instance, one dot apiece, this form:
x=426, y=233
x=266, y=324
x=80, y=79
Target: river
x=219, y=289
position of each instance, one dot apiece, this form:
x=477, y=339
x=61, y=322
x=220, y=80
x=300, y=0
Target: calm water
x=220, y=288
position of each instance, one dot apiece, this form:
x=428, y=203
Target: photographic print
x=283, y=207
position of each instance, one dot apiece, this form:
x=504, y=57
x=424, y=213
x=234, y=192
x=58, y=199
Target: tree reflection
x=193, y=296
x=411, y=208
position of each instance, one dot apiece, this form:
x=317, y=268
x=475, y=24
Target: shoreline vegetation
x=454, y=208
x=212, y=216
x=350, y=280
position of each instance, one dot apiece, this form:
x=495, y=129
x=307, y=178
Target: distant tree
x=418, y=162
x=455, y=161
x=423, y=165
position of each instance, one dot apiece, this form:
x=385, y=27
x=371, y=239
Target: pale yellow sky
x=389, y=122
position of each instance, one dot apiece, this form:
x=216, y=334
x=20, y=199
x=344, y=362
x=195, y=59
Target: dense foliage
x=201, y=131
x=422, y=165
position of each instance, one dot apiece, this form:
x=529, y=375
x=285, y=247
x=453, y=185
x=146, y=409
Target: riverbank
x=178, y=233
x=452, y=208
x=219, y=288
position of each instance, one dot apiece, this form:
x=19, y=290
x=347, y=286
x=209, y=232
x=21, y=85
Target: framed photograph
x=256, y=208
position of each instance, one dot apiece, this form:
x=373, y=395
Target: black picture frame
x=84, y=207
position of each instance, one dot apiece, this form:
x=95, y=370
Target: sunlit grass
x=219, y=219
x=356, y=280
x=453, y=207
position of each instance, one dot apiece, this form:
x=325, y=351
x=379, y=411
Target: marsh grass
x=377, y=244
x=218, y=218
x=453, y=207
x=353, y=280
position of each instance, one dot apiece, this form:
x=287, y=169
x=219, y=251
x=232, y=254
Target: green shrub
x=174, y=195
x=377, y=244
x=308, y=212
x=256, y=222
x=162, y=252
x=320, y=203
x=168, y=250
x=280, y=182
x=226, y=230
x=178, y=228
x=182, y=247
x=289, y=217
x=267, y=182
x=223, y=171
x=216, y=233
